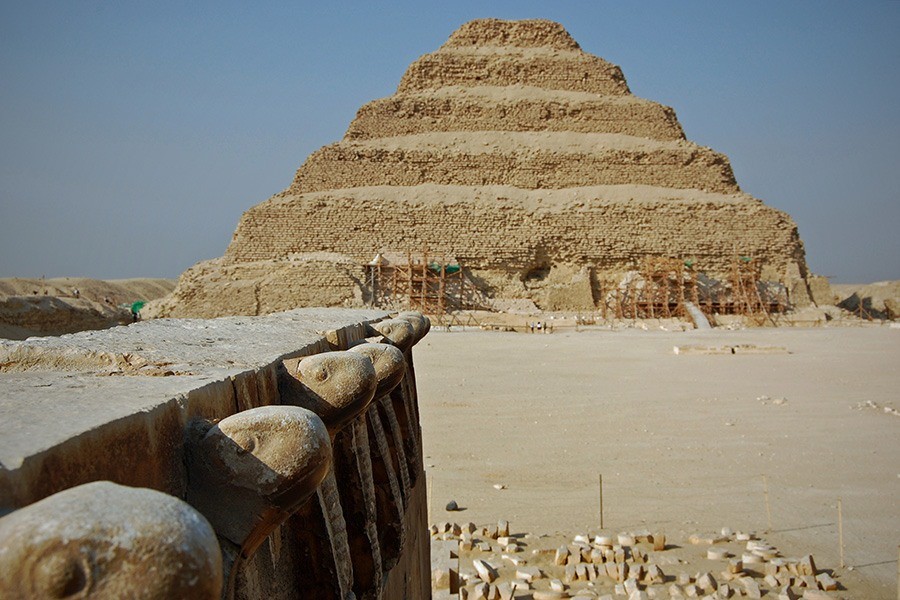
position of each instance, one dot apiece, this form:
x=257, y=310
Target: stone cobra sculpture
x=103, y=540
x=398, y=332
x=249, y=472
x=339, y=386
x=390, y=367
x=388, y=362
x=421, y=324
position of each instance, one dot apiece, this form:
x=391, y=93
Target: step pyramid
x=513, y=153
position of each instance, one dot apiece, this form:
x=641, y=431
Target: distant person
x=75, y=292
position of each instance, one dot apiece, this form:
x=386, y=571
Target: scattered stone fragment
x=562, y=555
x=452, y=505
x=528, y=574
x=631, y=586
x=787, y=594
x=826, y=582
x=659, y=542
x=569, y=574
x=724, y=592
x=706, y=582
x=480, y=591
x=485, y=570
x=492, y=532
x=691, y=591
x=748, y=558
x=807, y=566
x=655, y=575
x=484, y=546
x=716, y=553
x=735, y=565
x=626, y=539
x=499, y=486
x=603, y=540
x=638, y=595
x=557, y=586
x=507, y=591
x=549, y=595
x=514, y=560
x=683, y=579
x=502, y=528
x=751, y=588
x=813, y=594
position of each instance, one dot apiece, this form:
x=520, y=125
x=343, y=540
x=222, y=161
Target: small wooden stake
x=841, y=530
x=768, y=508
x=601, y=500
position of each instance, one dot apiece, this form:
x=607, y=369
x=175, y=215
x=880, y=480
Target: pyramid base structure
x=560, y=249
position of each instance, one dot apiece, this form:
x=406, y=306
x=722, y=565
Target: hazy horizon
x=136, y=135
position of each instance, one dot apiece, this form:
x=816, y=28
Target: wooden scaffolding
x=431, y=285
x=663, y=286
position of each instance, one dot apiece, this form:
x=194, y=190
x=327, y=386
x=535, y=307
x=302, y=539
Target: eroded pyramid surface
x=510, y=152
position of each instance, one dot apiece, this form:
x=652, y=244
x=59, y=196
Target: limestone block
x=337, y=386
x=706, y=582
x=826, y=582
x=103, y=540
x=485, y=570
x=562, y=555
x=528, y=574
x=807, y=566
x=751, y=587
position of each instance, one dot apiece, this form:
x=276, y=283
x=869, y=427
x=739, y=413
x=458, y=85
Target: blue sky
x=134, y=134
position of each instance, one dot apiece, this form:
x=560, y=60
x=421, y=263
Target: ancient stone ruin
x=516, y=160
x=248, y=458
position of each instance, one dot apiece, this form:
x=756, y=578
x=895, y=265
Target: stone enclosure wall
x=272, y=457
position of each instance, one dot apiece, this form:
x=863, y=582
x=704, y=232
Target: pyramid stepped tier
x=508, y=228
x=554, y=70
x=528, y=33
x=513, y=108
x=512, y=151
x=525, y=160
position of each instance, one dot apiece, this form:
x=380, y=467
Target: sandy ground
x=685, y=443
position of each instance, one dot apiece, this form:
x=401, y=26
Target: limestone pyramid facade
x=513, y=153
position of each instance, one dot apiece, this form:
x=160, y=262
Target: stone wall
x=287, y=449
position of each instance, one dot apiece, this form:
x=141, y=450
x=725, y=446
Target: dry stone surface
x=515, y=153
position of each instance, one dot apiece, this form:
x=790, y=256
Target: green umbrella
x=137, y=306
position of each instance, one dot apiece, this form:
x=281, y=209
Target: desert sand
x=686, y=443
